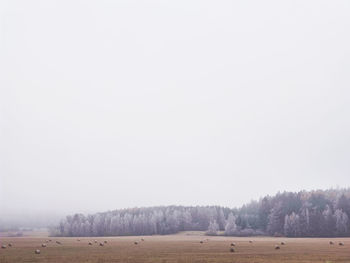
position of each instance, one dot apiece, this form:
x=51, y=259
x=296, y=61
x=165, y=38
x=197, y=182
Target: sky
x=116, y=104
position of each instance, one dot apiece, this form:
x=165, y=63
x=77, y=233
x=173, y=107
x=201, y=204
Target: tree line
x=322, y=213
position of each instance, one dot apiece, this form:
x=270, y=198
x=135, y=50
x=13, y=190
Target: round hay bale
x=50, y=240
x=250, y=241
x=105, y=241
x=95, y=241
x=43, y=245
x=78, y=240
x=142, y=239
x=9, y=245
x=232, y=250
x=233, y=244
x=101, y=244
x=37, y=251
x=331, y=242
x=341, y=244
x=90, y=243
x=3, y=246
x=58, y=242
x=277, y=247
x=136, y=242
x=201, y=242
x=283, y=243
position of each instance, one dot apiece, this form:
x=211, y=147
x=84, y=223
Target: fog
x=116, y=104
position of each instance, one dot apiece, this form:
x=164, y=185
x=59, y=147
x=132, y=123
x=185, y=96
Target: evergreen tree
x=304, y=222
x=276, y=220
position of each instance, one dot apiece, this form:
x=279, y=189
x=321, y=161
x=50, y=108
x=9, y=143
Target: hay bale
x=95, y=241
x=3, y=246
x=50, y=240
x=341, y=244
x=37, y=251
x=250, y=241
x=233, y=244
x=232, y=250
x=43, y=245
x=201, y=242
x=101, y=244
x=142, y=239
x=136, y=242
x=78, y=240
x=331, y=242
x=9, y=245
x=90, y=243
x=277, y=247
x=58, y=242
x=105, y=241
x=283, y=243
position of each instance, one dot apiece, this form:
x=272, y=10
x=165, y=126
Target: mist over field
x=108, y=105
x=182, y=131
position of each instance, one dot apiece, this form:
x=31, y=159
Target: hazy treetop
x=112, y=104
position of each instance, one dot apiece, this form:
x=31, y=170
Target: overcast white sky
x=114, y=104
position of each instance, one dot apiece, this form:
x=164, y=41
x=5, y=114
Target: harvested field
x=174, y=248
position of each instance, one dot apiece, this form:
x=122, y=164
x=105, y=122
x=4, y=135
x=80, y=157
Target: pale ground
x=183, y=247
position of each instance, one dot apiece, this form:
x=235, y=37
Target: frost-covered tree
x=328, y=222
x=98, y=225
x=292, y=225
x=294, y=214
x=343, y=203
x=341, y=223
x=221, y=219
x=213, y=228
x=230, y=227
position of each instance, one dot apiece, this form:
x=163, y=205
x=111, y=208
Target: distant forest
x=322, y=213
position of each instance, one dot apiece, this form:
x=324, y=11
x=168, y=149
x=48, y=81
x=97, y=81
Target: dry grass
x=174, y=248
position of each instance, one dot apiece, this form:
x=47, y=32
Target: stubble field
x=173, y=248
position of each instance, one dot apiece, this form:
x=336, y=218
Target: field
x=185, y=247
